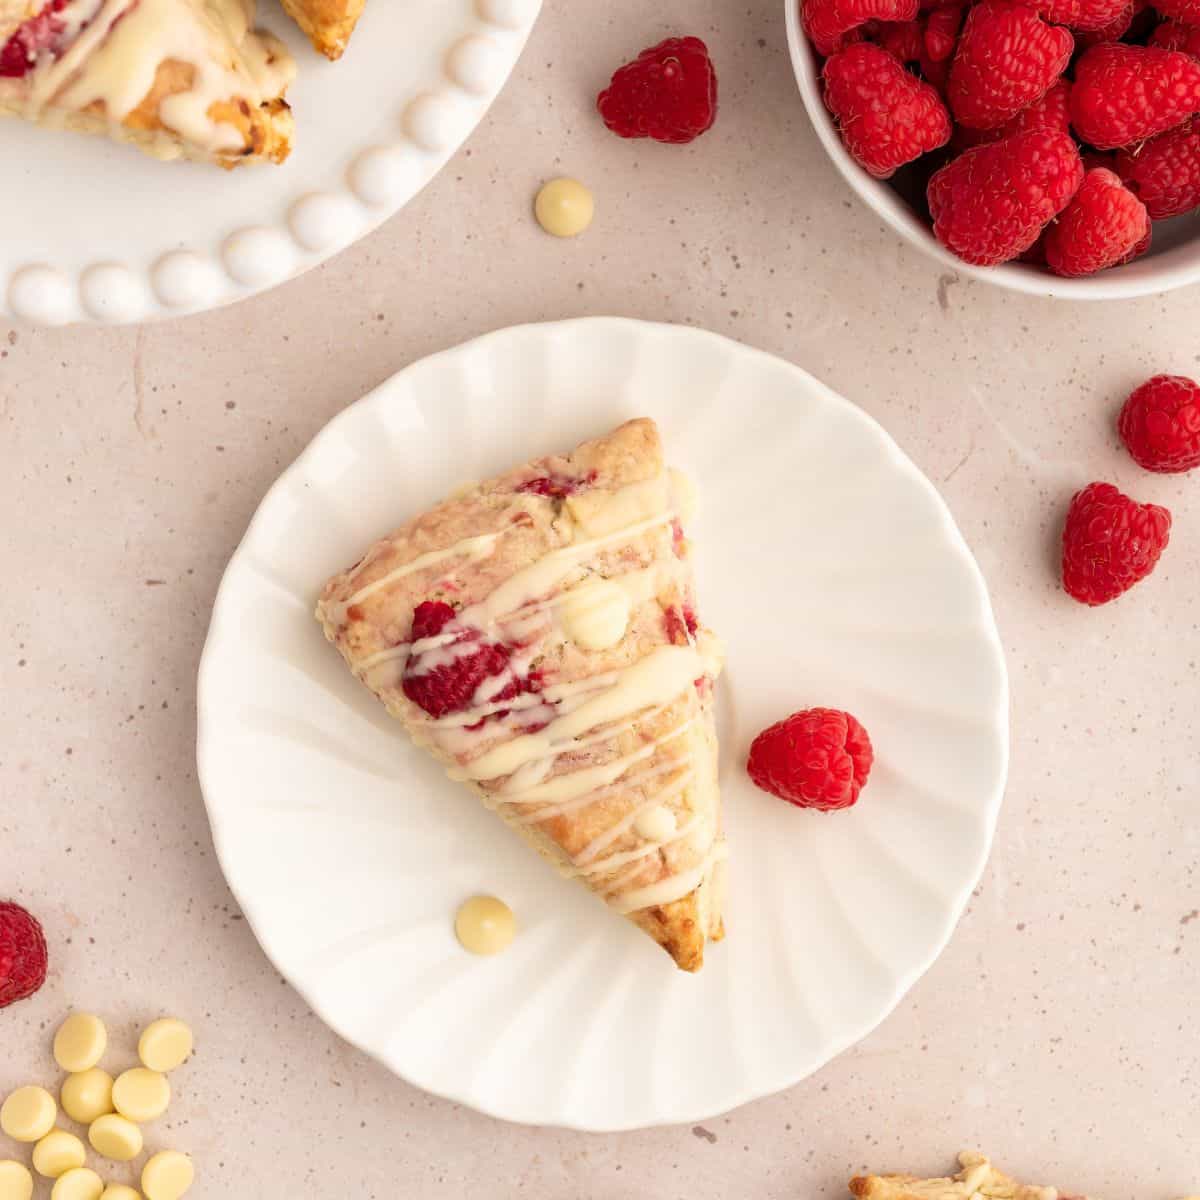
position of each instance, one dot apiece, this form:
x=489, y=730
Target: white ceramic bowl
x=1173, y=260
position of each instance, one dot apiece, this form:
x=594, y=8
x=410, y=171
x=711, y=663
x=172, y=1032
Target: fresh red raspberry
x=1050, y=112
x=22, y=954
x=942, y=27
x=1103, y=226
x=1124, y=94
x=668, y=93
x=1007, y=58
x=1160, y=424
x=1114, y=31
x=1110, y=542
x=1187, y=12
x=903, y=40
x=40, y=33
x=828, y=21
x=819, y=758
x=450, y=686
x=1083, y=15
x=1172, y=35
x=887, y=116
x=991, y=203
x=1165, y=171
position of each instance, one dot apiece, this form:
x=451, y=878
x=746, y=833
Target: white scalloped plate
x=93, y=231
x=836, y=576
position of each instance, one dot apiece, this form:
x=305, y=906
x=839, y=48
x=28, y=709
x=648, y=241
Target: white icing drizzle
x=114, y=49
x=561, y=595
x=475, y=549
x=673, y=887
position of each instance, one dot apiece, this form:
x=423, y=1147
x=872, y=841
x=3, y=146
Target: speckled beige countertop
x=1058, y=1031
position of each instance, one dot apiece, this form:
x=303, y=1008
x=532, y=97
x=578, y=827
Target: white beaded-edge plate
x=834, y=573
x=94, y=231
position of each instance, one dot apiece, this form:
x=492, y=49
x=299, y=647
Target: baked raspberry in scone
x=538, y=634
x=978, y=1180
x=176, y=78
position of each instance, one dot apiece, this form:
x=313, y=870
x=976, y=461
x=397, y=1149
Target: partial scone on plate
x=978, y=1180
x=537, y=633
x=177, y=78
x=328, y=23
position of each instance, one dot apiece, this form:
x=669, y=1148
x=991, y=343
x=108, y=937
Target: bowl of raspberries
x=1052, y=147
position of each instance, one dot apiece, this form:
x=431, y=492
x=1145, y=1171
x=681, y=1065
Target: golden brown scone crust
x=977, y=1180
x=266, y=129
x=328, y=23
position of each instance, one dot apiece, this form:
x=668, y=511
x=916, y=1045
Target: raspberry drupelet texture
x=1160, y=424
x=1007, y=58
x=828, y=21
x=668, y=93
x=1124, y=94
x=1174, y=35
x=1187, y=12
x=886, y=115
x=450, y=686
x=990, y=204
x=1110, y=542
x=1050, y=112
x=819, y=758
x=1164, y=173
x=22, y=954
x=1104, y=225
x=1084, y=15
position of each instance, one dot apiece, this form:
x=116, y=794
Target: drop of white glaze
x=41, y=294
x=185, y=279
x=321, y=221
x=432, y=120
x=110, y=292
x=476, y=64
x=258, y=256
x=383, y=176
x=509, y=14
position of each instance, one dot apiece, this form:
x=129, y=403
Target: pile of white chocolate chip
x=113, y=1110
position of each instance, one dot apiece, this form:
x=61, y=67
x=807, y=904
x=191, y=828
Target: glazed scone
x=537, y=633
x=328, y=23
x=176, y=78
x=978, y=1180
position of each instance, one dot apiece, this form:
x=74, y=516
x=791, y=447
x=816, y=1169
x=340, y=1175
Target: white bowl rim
x=1174, y=268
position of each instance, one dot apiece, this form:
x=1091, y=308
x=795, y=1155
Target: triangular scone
x=538, y=634
x=328, y=23
x=176, y=78
x=978, y=1180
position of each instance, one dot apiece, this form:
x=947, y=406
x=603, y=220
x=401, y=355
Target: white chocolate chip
x=57, y=1153
x=595, y=614
x=485, y=925
x=115, y=1137
x=80, y=1042
x=81, y=1183
x=167, y=1175
x=16, y=1183
x=87, y=1095
x=656, y=824
x=28, y=1114
x=165, y=1044
x=141, y=1095
x=564, y=208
